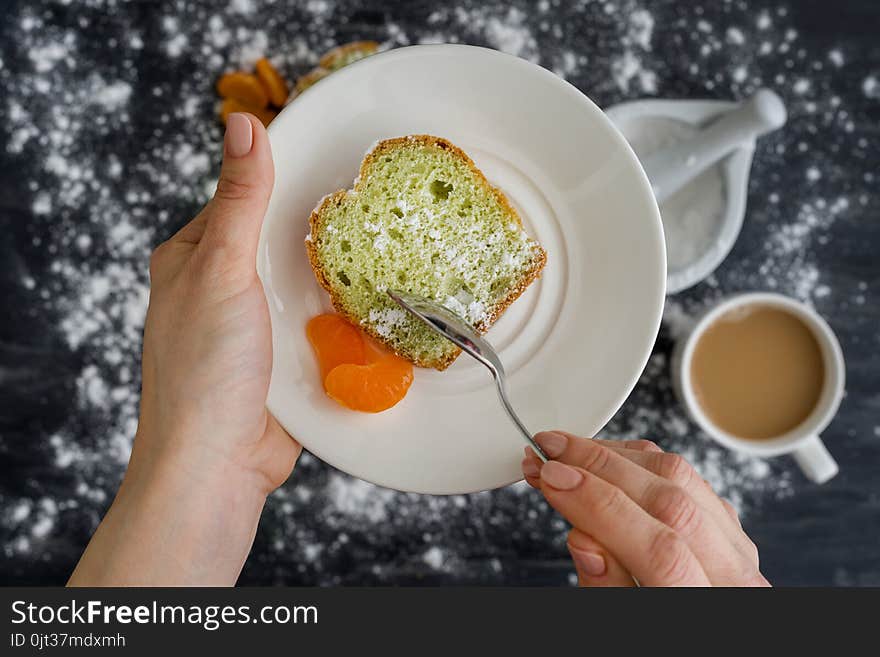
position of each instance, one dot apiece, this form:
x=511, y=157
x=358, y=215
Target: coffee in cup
x=763, y=374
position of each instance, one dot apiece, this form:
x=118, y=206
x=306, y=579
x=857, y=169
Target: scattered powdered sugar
x=190, y=163
x=435, y=557
x=20, y=511
x=629, y=69
x=34, y=520
x=506, y=30
x=113, y=96
x=353, y=497
x=46, y=513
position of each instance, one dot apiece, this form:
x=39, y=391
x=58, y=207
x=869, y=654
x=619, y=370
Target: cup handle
x=815, y=460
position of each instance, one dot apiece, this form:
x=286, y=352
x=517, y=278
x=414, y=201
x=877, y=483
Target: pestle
x=672, y=168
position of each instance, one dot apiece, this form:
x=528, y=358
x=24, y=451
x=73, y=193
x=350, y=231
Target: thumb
x=234, y=216
x=277, y=453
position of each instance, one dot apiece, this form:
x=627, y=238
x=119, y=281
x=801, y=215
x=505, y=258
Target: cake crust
x=335, y=199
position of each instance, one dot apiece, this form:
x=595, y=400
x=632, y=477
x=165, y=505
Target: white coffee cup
x=803, y=442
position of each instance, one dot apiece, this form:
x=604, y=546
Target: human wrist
x=197, y=455
x=206, y=522
x=197, y=480
x=203, y=485
x=173, y=524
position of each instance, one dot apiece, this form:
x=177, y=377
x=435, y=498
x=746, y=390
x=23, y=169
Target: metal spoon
x=445, y=322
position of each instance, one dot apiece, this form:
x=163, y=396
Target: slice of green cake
x=423, y=219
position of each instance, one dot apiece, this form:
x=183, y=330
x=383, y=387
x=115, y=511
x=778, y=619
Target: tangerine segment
x=371, y=388
x=336, y=342
x=272, y=81
x=375, y=350
x=244, y=87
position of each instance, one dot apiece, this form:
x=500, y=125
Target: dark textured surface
x=126, y=165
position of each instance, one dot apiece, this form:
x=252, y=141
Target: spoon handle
x=502, y=393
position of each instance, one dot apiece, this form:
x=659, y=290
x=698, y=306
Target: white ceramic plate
x=574, y=344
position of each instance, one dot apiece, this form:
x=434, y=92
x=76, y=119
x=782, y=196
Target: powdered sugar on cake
x=386, y=320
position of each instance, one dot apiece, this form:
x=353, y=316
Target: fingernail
x=589, y=563
x=560, y=476
x=530, y=467
x=552, y=443
x=239, y=135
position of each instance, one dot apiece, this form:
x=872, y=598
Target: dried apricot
x=336, y=342
x=274, y=84
x=243, y=87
